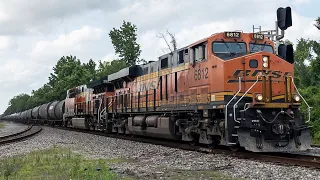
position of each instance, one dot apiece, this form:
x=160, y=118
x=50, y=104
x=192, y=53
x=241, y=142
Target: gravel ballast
x=146, y=161
x=11, y=128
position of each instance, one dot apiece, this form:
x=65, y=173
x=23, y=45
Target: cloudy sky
x=35, y=33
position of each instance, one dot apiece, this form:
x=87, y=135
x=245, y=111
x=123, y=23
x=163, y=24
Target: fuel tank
x=153, y=126
x=79, y=123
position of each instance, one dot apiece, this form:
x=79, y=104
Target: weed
x=54, y=163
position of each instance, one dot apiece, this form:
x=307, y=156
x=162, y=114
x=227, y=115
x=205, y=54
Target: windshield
x=260, y=47
x=228, y=50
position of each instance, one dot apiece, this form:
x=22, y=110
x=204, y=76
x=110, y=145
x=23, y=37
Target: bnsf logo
x=249, y=73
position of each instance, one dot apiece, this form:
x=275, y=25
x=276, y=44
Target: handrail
x=99, y=109
x=309, y=108
x=234, y=106
x=226, y=114
x=102, y=111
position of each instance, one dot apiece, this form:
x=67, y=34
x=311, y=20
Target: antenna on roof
x=254, y=28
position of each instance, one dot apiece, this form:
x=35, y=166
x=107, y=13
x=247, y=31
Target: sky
x=35, y=34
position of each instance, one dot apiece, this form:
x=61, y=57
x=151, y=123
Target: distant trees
x=70, y=72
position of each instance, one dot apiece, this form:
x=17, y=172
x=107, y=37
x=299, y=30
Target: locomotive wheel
x=234, y=148
x=193, y=142
x=214, y=144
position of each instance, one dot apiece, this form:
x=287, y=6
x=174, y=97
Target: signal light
x=284, y=18
x=286, y=52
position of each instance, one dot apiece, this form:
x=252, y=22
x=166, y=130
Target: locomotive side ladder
x=226, y=113
x=233, y=113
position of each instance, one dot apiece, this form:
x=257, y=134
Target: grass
x=55, y=163
x=1, y=125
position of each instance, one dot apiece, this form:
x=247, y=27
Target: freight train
x=233, y=89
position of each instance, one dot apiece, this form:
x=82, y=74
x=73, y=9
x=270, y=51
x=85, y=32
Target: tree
x=317, y=25
x=68, y=73
x=301, y=58
x=124, y=43
x=307, y=74
x=106, y=68
x=173, y=41
x=17, y=103
x=91, y=68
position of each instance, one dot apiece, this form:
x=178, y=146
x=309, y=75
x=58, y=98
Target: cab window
x=228, y=50
x=229, y=47
x=260, y=47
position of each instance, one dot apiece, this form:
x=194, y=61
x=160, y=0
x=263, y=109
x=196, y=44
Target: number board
x=232, y=34
x=258, y=36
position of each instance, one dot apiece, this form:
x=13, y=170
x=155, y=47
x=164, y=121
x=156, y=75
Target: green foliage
x=17, y=103
x=68, y=73
x=317, y=25
x=54, y=163
x=107, y=67
x=124, y=43
x=1, y=125
x=91, y=68
x=301, y=57
x=307, y=78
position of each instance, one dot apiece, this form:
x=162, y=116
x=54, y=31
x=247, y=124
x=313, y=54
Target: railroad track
x=315, y=146
x=28, y=132
x=303, y=160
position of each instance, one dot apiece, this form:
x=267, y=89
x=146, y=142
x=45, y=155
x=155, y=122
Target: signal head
x=284, y=18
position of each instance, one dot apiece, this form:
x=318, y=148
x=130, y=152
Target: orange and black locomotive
x=231, y=88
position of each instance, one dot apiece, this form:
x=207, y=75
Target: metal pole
x=277, y=41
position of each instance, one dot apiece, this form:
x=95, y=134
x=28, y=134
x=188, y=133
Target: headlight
x=296, y=98
x=259, y=97
x=265, y=60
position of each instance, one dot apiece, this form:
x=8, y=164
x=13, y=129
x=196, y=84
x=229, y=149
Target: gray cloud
x=22, y=16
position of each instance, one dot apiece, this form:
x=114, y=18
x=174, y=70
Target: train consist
x=233, y=89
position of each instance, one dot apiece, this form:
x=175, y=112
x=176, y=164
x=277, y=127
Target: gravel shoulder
x=146, y=161
x=8, y=128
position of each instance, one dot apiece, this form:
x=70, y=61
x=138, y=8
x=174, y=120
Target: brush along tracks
x=28, y=132
x=302, y=160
